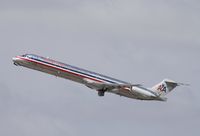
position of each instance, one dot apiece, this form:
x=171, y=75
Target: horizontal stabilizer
x=166, y=86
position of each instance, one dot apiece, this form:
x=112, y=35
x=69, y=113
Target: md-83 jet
x=98, y=82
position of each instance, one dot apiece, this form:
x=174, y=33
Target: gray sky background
x=138, y=41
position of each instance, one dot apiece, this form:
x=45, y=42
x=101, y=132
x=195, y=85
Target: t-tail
x=165, y=87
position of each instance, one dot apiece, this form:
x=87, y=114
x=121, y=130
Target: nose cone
x=16, y=61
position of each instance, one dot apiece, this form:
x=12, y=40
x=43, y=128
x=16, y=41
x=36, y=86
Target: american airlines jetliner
x=98, y=82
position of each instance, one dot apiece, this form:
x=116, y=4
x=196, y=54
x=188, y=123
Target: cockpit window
x=31, y=56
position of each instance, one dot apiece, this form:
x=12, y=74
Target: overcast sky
x=138, y=41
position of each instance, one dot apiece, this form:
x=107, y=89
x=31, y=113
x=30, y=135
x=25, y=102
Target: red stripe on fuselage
x=57, y=68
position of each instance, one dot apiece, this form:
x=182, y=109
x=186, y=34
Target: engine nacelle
x=142, y=91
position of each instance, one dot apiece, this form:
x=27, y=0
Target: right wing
x=107, y=87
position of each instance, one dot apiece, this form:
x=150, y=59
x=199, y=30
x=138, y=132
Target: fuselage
x=58, y=69
x=80, y=75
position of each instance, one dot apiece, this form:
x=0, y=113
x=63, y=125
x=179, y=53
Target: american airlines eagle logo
x=162, y=88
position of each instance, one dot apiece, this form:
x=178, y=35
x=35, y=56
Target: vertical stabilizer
x=165, y=87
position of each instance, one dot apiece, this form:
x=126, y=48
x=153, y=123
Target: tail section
x=165, y=87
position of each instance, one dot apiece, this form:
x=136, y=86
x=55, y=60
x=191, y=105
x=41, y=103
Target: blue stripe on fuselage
x=76, y=70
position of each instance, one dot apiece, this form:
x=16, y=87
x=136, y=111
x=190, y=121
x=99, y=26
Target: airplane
x=98, y=82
